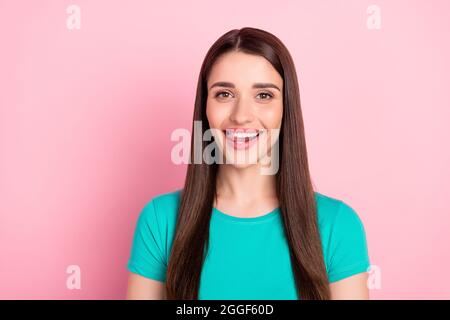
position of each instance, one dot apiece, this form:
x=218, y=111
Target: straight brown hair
x=293, y=183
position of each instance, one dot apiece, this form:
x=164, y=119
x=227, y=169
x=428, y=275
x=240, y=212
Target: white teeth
x=241, y=134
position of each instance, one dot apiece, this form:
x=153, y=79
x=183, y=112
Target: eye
x=222, y=94
x=265, y=95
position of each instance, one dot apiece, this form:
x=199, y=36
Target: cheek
x=271, y=117
x=216, y=114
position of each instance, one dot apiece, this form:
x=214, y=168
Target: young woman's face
x=244, y=107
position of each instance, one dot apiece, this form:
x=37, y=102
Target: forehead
x=243, y=70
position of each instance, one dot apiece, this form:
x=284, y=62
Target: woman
x=235, y=231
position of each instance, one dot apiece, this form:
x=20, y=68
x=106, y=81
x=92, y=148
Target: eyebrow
x=258, y=85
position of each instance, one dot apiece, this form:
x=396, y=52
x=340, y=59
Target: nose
x=242, y=112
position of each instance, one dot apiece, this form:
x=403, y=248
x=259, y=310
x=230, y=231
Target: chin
x=242, y=166
x=242, y=163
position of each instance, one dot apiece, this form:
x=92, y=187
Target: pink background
x=86, y=117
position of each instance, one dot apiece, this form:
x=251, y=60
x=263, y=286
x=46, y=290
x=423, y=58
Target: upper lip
x=242, y=130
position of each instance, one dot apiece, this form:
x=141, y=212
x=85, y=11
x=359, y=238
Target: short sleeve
x=147, y=252
x=349, y=253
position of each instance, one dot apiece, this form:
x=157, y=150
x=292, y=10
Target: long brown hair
x=293, y=183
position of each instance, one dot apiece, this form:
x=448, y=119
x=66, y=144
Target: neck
x=244, y=185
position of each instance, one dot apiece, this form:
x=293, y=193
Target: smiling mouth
x=241, y=136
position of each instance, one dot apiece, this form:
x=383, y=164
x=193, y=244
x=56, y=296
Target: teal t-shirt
x=248, y=258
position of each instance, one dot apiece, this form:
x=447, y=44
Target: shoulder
x=339, y=223
x=333, y=212
x=156, y=223
x=162, y=209
x=166, y=201
x=153, y=235
x=343, y=238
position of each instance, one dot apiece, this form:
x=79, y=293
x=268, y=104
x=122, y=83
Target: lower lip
x=242, y=145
